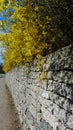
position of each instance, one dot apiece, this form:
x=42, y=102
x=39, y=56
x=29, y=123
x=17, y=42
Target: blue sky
x=1, y=60
x=1, y=49
x=5, y=29
x=1, y=57
x=1, y=18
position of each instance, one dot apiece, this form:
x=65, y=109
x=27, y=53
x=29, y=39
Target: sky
x=1, y=18
x=1, y=60
x=5, y=29
x=1, y=32
x=1, y=49
x=1, y=57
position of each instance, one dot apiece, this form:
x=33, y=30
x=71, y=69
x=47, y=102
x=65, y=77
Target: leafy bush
x=34, y=29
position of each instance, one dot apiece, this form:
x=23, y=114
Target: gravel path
x=8, y=116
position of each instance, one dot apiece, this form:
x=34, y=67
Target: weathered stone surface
x=47, y=104
x=62, y=76
x=61, y=59
x=61, y=89
x=44, y=126
x=70, y=122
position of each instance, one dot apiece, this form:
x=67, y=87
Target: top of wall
x=59, y=60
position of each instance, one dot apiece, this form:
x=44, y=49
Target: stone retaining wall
x=47, y=104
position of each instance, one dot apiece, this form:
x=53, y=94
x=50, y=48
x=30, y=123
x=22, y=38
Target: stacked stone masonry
x=46, y=104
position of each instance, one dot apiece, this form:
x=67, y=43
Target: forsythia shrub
x=23, y=42
x=34, y=28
